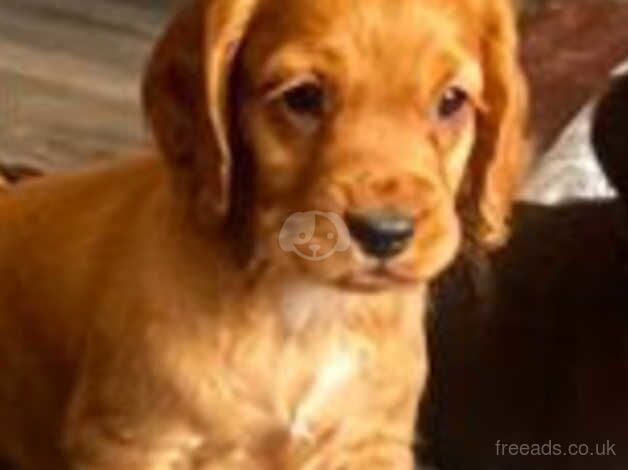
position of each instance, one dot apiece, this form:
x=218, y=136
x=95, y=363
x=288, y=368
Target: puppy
x=165, y=313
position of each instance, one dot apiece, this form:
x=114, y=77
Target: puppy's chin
x=396, y=274
x=378, y=279
x=353, y=271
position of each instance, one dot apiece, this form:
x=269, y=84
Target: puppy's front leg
x=107, y=443
x=380, y=453
x=393, y=458
x=93, y=448
x=125, y=415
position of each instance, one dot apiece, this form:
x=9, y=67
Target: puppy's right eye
x=305, y=99
x=453, y=100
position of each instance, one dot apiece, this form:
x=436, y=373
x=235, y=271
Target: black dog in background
x=530, y=346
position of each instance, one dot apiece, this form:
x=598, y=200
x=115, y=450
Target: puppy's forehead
x=357, y=33
x=359, y=16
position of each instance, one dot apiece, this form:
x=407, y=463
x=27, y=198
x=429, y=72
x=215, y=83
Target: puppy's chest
x=318, y=369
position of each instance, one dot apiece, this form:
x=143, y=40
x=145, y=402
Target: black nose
x=381, y=233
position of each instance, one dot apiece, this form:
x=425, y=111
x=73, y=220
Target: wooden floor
x=69, y=77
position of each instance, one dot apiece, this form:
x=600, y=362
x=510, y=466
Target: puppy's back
x=60, y=236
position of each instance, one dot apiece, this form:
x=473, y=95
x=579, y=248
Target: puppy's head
x=347, y=139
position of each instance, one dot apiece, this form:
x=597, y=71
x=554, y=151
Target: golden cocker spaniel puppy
x=254, y=299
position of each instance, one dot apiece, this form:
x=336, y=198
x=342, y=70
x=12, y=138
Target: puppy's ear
x=186, y=98
x=501, y=152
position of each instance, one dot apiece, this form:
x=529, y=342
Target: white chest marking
x=337, y=371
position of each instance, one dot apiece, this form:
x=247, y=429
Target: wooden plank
x=138, y=17
x=59, y=68
x=69, y=78
x=71, y=53
x=56, y=127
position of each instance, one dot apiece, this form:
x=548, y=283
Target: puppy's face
x=353, y=133
x=361, y=119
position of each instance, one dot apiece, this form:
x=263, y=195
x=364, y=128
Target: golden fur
x=149, y=317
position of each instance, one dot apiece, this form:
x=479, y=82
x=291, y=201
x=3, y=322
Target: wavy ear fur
x=501, y=153
x=186, y=99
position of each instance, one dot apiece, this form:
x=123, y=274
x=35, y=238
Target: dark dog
x=530, y=346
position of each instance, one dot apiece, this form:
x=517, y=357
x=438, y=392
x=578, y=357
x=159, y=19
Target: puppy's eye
x=307, y=98
x=453, y=100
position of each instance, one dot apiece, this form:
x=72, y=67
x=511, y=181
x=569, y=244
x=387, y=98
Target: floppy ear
x=501, y=152
x=186, y=98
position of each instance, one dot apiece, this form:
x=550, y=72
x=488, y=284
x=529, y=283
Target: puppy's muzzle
x=381, y=233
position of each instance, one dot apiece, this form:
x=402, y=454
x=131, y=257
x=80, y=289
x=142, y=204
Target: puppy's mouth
x=383, y=276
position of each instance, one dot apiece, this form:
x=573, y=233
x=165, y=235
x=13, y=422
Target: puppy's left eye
x=305, y=99
x=452, y=101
